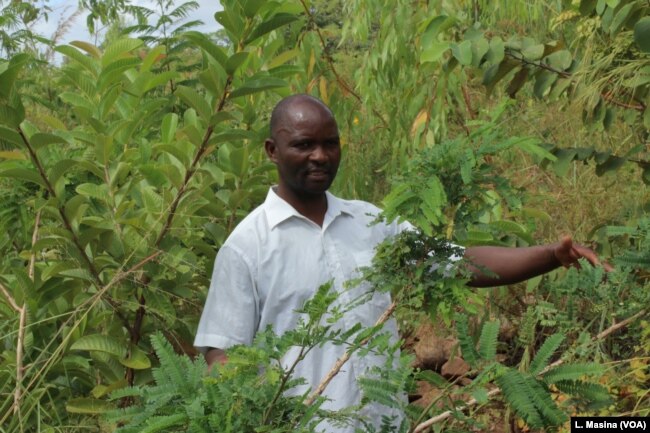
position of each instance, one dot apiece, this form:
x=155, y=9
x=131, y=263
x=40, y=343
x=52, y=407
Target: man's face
x=306, y=149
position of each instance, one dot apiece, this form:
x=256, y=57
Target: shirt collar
x=278, y=210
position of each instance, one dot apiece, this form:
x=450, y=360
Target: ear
x=271, y=150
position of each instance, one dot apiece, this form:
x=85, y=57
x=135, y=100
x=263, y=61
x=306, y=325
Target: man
x=302, y=237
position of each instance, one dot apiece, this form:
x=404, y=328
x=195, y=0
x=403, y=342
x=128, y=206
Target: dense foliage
x=124, y=168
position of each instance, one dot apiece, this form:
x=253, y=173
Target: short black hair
x=281, y=108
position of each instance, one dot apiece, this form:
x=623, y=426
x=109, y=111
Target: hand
x=567, y=254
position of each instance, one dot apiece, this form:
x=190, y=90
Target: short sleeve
x=231, y=313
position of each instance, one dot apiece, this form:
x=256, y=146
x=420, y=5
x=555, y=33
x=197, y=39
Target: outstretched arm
x=496, y=266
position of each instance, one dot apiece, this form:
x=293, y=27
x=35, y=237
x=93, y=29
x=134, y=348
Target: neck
x=311, y=206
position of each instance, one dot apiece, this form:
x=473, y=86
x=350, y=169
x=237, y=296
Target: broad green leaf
x=496, y=72
x=543, y=82
x=235, y=61
x=42, y=139
x=72, y=53
x=195, y=100
x=13, y=155
x=209, y=47
x=22, y=174
x=136, y=359
x=642, y=34
x=99, y=192
x=100, y=343
x=560, y=60
x=612, y=163
x=76, y=100
x=612, y=3
x=283, y=58
x=463, y=52
x=9, y=76
x=620, y=18
x=276, y=21
x=169, y=124
x=11, y=136
x=119, y=49
x=87, y=47
x=258, y=85
x=153, y=56
x=434, y=52
x=533, y=52
x=60, y=168
x=563, y=162
x=88, y=406
x=517, y=82
x=587, y=6
x=646, y=118
x=532, y=146
x=251, y=7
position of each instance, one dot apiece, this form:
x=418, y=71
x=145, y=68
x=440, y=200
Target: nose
x=319, y=154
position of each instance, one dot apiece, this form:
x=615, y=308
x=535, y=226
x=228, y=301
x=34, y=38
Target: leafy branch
x=496, y=391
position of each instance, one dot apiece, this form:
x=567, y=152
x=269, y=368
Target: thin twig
x=471, y=402
x=346, y=356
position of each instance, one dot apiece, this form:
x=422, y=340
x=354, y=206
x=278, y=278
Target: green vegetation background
x=123, y=169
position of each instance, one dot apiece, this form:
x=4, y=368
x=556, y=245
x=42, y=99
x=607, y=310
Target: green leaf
x=23, y=174
x=612, y=163
x=235, y=61
x=152, y=57
x=119, y=49
x=11, y=136
x=532, y=147
x=195, y=100
x=169, y=124
x=74, y=54
x=517, y=82
x=545, y=352
x=587, y=6
x=251, y=7
x=9, y=76
x=560, y=60
x=209, y=47
x=533, y=52
x=88, y=406
x=646, y=118
x=136, y=359
x=487, y=343
x=87, y=47
x=543, y=81
x=100, y=343
x=283, y=58
x=463, y=52
x=620, y=18
x=99, y=192
x=434, y=52
x=563, y=162
x=258, y=85
x=642, y=34
x=41, y=139
x=276, y=21
x=573, y=372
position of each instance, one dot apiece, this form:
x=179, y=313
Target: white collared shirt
x=274, y=261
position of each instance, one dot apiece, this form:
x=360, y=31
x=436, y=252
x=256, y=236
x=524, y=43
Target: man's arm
x=215, y=355
x=512, y=265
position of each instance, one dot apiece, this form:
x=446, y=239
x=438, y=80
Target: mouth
x=318, y=173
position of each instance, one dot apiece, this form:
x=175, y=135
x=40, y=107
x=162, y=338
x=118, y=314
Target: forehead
x=306, y=117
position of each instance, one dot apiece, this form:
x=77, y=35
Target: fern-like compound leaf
x=487, y=343
x=465, y=340
x=545, y=352
x=572, y=372
x=516, y=392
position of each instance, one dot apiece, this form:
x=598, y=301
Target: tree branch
x=345, y=357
